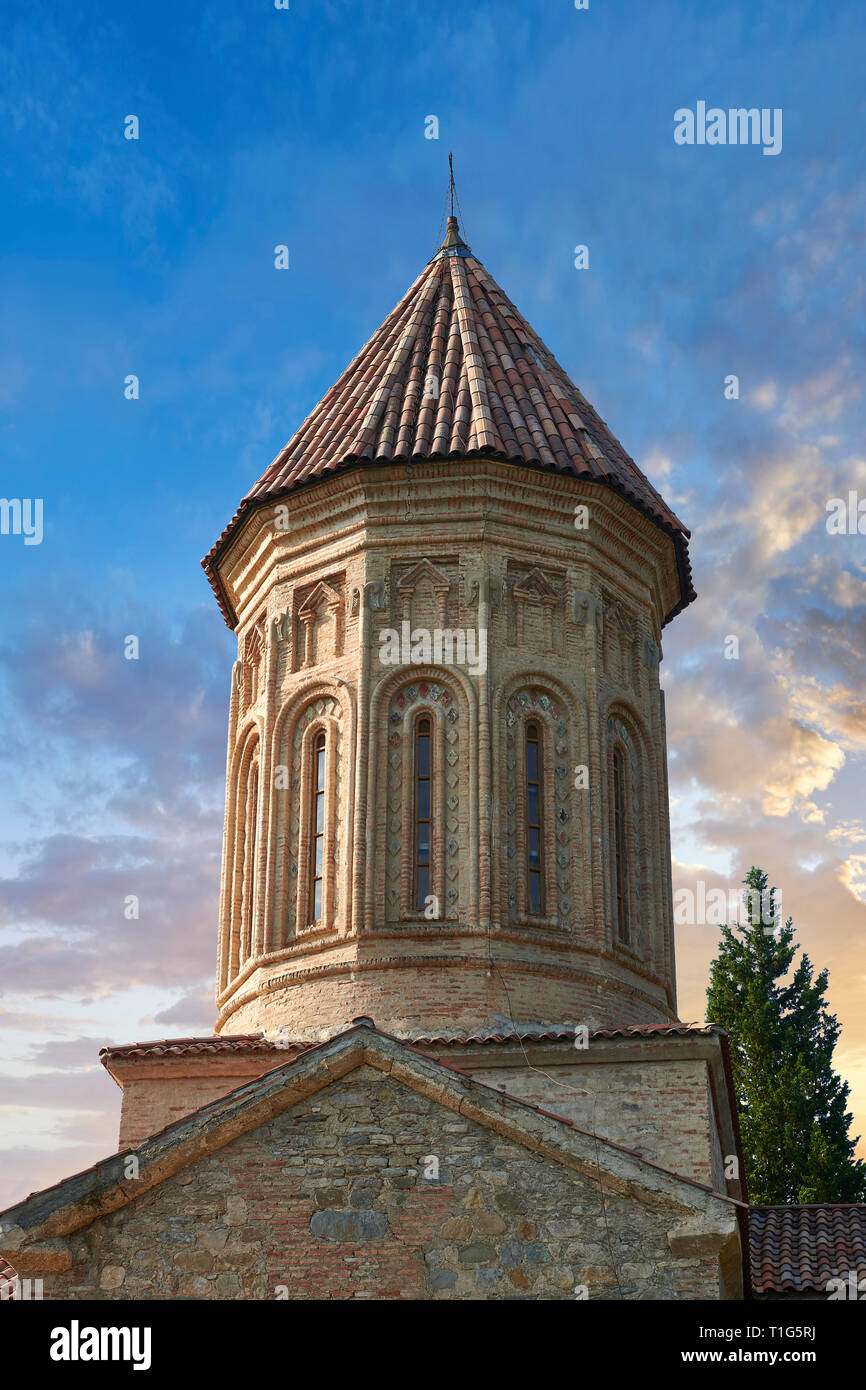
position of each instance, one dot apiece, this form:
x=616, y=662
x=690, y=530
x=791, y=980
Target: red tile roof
x=7, y=1280
x=500, y=394
x=800, y=1249
x=259, y=1042
x=183, y=1047
x=565, y=1031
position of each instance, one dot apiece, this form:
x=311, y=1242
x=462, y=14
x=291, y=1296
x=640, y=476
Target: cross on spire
x=453, y=243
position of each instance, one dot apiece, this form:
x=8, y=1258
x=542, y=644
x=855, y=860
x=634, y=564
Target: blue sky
x=306, y=127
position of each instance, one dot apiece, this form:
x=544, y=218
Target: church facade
x=447, y=1061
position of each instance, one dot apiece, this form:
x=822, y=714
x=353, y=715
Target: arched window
x=620, y=864
x=535, y=876
x=423, y=813
x=317, y=828
x=248, y=859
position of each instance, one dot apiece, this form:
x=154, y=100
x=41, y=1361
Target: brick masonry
x=573, y=631
x=329, y=1200
x=664, y=1098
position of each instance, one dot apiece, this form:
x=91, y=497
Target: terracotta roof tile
x=566, y=1031
x=239, y=1042
x=258, y=1042
x=502, y=394
x=799, y=1249
x=7, y=1280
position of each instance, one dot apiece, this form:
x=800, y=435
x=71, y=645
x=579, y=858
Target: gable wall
x=328, y=1200
x=662, y=1108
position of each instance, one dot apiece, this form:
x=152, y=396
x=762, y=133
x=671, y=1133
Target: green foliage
x=793, y=1107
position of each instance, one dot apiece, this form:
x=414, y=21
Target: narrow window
x=533, y=819
x=251, y=816
x=619, y=847
x=422, y=813
x=318, y=828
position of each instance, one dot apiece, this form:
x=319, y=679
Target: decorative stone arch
x=449, y=699
x=315, y=707
x=524, y=697
x=250, y=726
x=625, y=731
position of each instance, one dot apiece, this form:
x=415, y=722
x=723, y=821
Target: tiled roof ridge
x=501, y=394
x=260, y=1042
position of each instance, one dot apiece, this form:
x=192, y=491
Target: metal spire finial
x=453, y=244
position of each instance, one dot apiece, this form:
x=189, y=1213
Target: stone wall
x=652, y=1095
x=330, y=1199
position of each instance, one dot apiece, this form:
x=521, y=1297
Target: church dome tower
x=446, y=782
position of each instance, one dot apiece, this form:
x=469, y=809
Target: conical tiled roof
x=455, y=371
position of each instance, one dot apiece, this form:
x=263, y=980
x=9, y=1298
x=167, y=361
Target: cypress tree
x=793, y=1106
